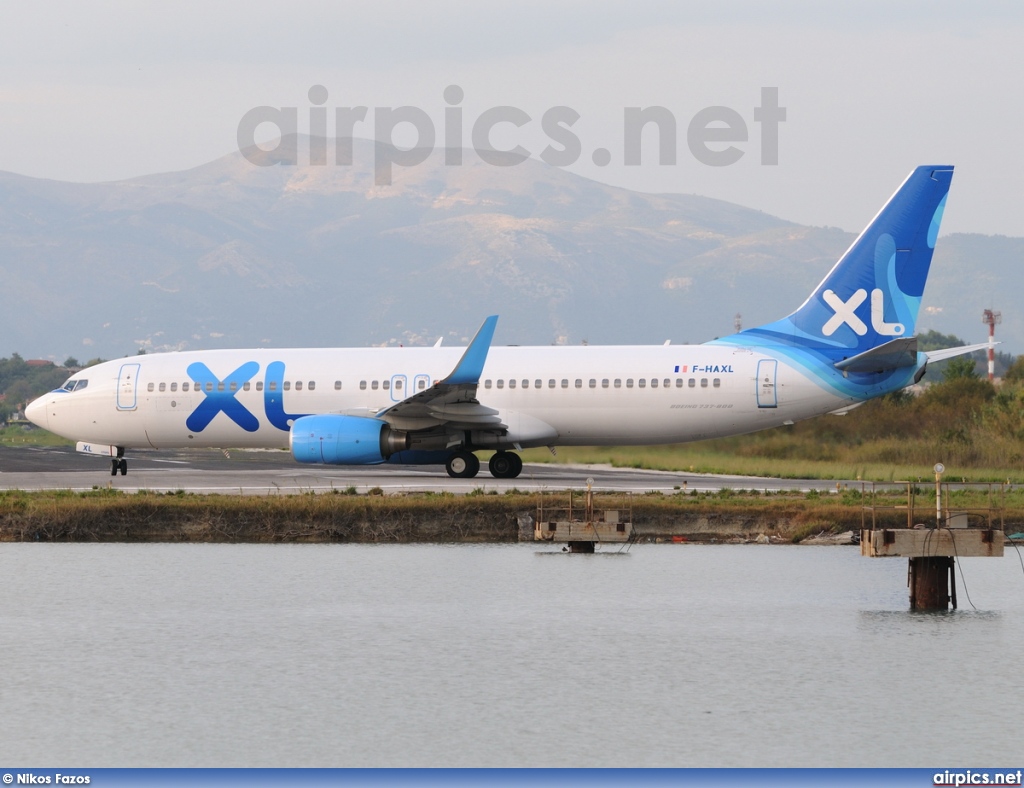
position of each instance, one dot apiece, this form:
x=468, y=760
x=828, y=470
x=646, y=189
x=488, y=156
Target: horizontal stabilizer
x=894, y=354
x=953, y=352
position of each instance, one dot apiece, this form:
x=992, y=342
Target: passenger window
x=692, y=382
x=259, y=385
x=526, y=384
x=163, y=387
x=174, y=386
x=604, y=383
x=667, y=383
x=386, y=385
x=287, y=386
x=501, y=384
x=423, y=384
x=234, y=386
x=717, y=383
x=148, y=388
x=593, y=383
x=512, y=384
x=703, y=383
x=272, y=386
x=312, y=385
x=629, y=383
x=565, y=383
x=487, y=384
x=537, y=384
x=679, y=383
x=618, y=383
x=220, y=385
x=398, y=385
x=374, y=384
x=362, y=385
x=551, y=383
x=579, y=383
x=184, y=386
x=337, y=385
x=654, y=383
x=298, y=385
x=209, y=386
x=642, y=383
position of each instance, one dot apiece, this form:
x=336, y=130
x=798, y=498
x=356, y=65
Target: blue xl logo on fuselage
x=221, y=397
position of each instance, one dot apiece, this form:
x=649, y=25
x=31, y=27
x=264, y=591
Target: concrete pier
x=930, y=574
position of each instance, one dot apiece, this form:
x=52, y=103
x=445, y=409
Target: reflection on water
x=427, y=655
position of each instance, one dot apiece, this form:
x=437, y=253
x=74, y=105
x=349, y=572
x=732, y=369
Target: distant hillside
x=231, y=254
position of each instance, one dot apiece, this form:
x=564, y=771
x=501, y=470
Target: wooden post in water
x=929, y=583
x=929, y=574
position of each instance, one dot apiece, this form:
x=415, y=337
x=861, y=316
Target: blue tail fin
x=873, y=293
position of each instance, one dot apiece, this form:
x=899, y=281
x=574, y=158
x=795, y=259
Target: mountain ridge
x=233, y=254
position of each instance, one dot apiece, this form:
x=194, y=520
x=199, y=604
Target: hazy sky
x=110, y=90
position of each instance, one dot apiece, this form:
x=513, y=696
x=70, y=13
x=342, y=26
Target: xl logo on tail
x=845, y=314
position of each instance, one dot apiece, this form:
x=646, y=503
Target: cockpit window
x=75, y=385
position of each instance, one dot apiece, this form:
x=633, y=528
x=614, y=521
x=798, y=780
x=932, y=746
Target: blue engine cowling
x=344, y=440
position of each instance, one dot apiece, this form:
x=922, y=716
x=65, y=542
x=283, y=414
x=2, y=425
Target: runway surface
x=275, y=473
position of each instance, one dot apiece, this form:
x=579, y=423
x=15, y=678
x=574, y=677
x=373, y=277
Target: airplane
x=850, y=341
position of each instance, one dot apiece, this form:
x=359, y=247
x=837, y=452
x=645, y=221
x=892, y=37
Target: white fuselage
x=545, y=395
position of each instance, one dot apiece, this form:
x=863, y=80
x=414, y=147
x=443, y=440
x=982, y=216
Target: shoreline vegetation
x=105, y=515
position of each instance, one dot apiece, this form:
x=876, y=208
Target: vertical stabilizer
x=873, y=294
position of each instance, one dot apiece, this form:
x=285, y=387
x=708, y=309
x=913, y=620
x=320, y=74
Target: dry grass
x=110, y=516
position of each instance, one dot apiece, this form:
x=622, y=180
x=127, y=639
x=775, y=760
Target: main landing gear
x=465, y=465
x=462, y=465
x=505, y=465
x=119, y=463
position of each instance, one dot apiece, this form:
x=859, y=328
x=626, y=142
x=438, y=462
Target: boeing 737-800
x=851, y=340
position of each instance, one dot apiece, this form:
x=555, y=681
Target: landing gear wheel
x=462, y=465
x=122, y=466
x=505, y=465
x=118, y=465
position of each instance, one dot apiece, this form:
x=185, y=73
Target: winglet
x=471, y=365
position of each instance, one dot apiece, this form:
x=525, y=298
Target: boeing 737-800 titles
x=851, y=340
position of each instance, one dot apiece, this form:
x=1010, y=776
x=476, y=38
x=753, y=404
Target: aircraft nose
x=36, y=412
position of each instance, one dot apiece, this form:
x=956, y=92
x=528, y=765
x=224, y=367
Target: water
x=426, y=655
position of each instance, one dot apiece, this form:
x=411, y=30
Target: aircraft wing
x=451, y=401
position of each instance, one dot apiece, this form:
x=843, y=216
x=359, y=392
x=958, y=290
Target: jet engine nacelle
x=344, y=440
